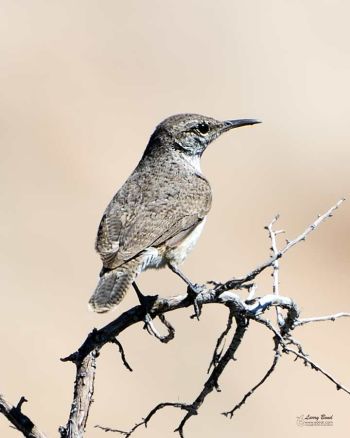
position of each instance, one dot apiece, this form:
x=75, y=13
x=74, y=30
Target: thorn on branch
x=217, y=387
x=279, y=232
x=20, y=403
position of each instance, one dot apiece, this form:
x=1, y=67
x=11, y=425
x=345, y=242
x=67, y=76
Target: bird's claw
x=194, y=289
x=193, y=292
x=197, y=309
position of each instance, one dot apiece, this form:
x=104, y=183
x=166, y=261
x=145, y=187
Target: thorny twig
x=236, y=283
x=276, y=267
x=274, y=249
x=212, y=382
x=268, y=373
x=314, y=366
x=300, y=354
x=145, y=421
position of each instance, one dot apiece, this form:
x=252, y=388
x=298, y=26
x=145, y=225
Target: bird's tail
x=113, y=285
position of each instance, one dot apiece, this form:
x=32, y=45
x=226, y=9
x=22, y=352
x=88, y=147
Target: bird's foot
x=194, y=289
x=193, y=292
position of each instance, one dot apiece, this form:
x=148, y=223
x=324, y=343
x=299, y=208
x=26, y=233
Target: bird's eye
x=203, y=128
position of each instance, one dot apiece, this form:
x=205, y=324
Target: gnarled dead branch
x=241, y=311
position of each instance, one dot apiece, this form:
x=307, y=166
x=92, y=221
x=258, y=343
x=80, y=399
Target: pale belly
x=178, y=254
x=158, y=258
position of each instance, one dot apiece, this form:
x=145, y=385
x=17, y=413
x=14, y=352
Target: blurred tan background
x=82, y=86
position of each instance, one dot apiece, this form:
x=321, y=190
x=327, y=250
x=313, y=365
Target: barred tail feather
x=112, y=288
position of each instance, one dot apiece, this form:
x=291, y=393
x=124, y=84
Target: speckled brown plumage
x=158, y=208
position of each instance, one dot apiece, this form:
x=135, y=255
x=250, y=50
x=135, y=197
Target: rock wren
x=155, y=219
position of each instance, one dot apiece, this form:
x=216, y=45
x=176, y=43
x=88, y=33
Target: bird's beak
x=230, y=124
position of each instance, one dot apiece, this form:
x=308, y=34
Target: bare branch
x=212, y=382
x=122, y=353
x=300, y=354
x=242, y=310
x=84, y=358
x=304, y=321
x=145, y=420
x=110, y=429
x=97, y=338
x=82, y=397
x=292, y=341
x=236, y=283
x=268, y=373
x=20, y=421
x=217, y=354
x=154, y=332
x=275, y=264
x=314, y=366
x=312, y=227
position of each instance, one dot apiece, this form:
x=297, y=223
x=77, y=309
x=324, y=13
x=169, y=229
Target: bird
x=157, y=216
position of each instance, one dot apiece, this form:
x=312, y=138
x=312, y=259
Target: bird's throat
x=194, y=161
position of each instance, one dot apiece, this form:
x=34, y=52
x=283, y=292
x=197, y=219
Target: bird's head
x=192, y=133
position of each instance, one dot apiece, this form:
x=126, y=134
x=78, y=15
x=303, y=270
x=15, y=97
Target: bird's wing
x=127, y=228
